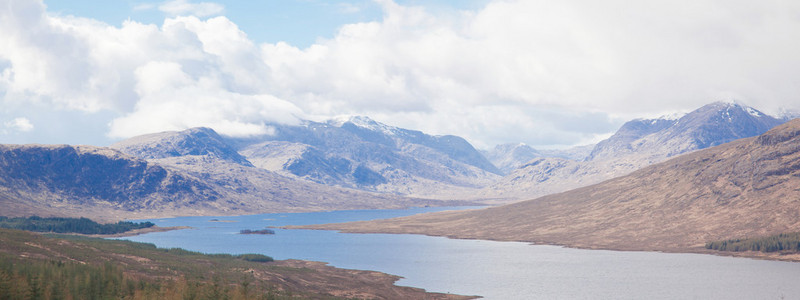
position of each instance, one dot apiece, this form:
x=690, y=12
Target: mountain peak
x=365, y=123
x=728, y=107
x=192, y=141
x=710, y=125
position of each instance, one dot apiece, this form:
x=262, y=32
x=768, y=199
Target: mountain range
x=638, y=143
x=349, y=163
x=361, y=153
x=174, y=173
x=745, y=188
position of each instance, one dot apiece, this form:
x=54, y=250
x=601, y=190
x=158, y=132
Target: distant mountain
x=711, y=125
x=509, y=157
x=636, y=144
x=746, y=188
x=361, y=153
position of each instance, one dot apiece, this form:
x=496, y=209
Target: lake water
x=494, y=270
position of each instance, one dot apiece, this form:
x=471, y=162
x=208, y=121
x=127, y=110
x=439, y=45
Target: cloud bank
x=539, y=72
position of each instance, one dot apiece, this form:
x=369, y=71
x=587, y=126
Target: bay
x=494, y=270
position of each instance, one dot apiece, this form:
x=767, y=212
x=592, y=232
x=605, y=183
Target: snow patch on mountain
x=364, y=122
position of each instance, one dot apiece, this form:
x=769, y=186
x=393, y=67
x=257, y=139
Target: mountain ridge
x=107, y=184
x=638, y=143
x=361, y=153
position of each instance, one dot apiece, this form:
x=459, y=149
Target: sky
x=550, y=74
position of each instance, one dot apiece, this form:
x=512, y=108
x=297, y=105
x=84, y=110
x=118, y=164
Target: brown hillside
x=749, y=187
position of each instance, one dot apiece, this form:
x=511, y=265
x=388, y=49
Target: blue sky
x=297, y=22
x=551, y=74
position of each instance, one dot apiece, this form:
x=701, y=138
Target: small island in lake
x=262, y=231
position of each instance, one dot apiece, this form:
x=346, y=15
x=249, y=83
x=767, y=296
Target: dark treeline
x=784, y=242
x=69, y=225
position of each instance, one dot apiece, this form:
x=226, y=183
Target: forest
x=69, y=225
x=784, y=242
x=34, y=266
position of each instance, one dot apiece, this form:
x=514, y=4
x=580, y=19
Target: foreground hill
x=33, y=266
x=745, y=188
x=104, y=183
x=638, y=143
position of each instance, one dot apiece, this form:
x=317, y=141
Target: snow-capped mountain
x=711, y=125
x=359, y=152
x=355, y=152
x=636, y=144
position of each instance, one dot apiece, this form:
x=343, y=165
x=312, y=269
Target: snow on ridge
x=753, y=112
x=672, y=116
x=363, y=122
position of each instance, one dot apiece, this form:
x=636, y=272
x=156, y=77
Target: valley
x=745, y=188
x=721, y=172
x=399, y=149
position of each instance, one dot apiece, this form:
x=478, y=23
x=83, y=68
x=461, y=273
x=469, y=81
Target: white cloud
x=172, y=100
x=18, y=125
x=188, y=72
x=539, y=72
x=473, y=73
x=144, y=6
x=186, y=7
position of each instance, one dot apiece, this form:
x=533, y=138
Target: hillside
x=87, y=181
x=638, y=143
x=106, y=184
x=33, y=266
x=745, y=188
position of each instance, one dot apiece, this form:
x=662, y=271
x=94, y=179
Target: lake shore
x=138, y=231
x=375, y=227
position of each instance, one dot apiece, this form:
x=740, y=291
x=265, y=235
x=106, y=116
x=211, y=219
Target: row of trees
x=69, y=225
x=784, y=242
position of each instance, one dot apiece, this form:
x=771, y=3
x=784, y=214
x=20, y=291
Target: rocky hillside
x=106, y=184
x=51, y=179
x=636, y=144
x=745, y=188
x=361, y=153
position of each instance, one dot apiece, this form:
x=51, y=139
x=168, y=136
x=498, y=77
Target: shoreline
x=135, y=232
x=785, y=257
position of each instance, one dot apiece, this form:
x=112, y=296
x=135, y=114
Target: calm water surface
x=494, y=270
